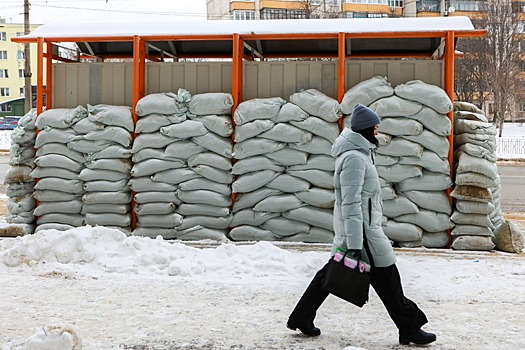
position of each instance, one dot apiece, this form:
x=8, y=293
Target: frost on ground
x=121, y=292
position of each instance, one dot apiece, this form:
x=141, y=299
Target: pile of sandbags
x=20, y=184
x=182, y=165
x=477, y=210
x=284, y=169
x=411, y=158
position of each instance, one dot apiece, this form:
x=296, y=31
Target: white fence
x=507, y=147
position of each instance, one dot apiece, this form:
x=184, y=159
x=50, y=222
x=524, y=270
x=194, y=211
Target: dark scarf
x=368, y=134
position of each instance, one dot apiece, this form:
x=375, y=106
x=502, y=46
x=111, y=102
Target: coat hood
x=349, y=140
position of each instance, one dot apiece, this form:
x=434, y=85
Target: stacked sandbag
x=106, y=146
x=284, y=168
x=411, y=158
x=476, y=213
x=58, y=165
x=19, y=183
x=182, y=160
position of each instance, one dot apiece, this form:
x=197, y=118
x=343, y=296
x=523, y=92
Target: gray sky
x=53, y=11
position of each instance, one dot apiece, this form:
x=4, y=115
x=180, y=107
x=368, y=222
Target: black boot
x=419, y=337
x=307, y=328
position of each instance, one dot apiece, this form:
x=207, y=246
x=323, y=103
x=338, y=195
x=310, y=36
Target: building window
x=522, y=107
x=374, y=2
x=3, y=36
x=396, y=3
x=4, y=92
x=282, y=14
x=5, y=107
x=20, y=33
x=22, y=92
x=20, y=55
x=3, y=55
x=428, y=6
x=518, y=7
x=240, y=15
x=468, y=5
x=3, y=73
x=21, y=73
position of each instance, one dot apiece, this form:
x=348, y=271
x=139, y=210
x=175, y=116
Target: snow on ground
x=109, y=291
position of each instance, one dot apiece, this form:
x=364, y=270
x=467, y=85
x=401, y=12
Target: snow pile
x=54, y=338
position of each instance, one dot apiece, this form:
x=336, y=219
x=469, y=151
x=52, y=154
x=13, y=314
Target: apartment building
x=12, y=65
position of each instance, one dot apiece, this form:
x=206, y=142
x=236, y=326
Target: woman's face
x=376, y=129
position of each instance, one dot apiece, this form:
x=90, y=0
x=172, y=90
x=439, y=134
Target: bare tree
x=308, y=7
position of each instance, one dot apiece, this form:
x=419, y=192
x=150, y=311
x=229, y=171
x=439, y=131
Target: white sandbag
x=486, y=141
x=86, y=126
x=111, y=152
x=154, y=232
x=311, y=215
x=402, y=231
x=251, y=129
x=473, y=243
x=316, y=161
x=18, y=174
x=98, y=174
x=54, y=196
x=366, y=92
x=471, y=230
x=314, y=235
x=317, y=104
x=279, y=204
x=400, y=205
x=288, y=184
x=106, y=186
x=164, y=221
x=468, y=163
x=20, y=204
x=255, y=146
x=475, y=179
x=318, y=145
x=182, y=149
x=399, y=147
x=475, y=151
x=248, y=200
x=106, y=208
x=75, y=220
x=251, y=217
x=288, y=157
x=204, y=197
x=210, y=159
x=429, y=95
x=154, y=208
x=205, y=184
x=152, y=166
x=19, y=189
x=290, y=112
x=388, y=192
x=466, y=106
x=251, y=233
x=53, y=183
x=460, y=218
x=39, y=173
x=186, y=209
x=62, y=149
x=255, y=163
x=28, y=120
x=107, y=219
x=471, y=115
x=382, y=139
x=428, y=220
x=58, y=227
x=431, y=200
x=252, y=181
x=202, y=233
x=111, y=115
x=319, y=127
x=146, y=184
x=151, y=140
x=509, y=238
x=431, y=142
x=318, y=178
x=48, y=135
x=283, y=227
x=257, y=108
x=111, y=133
x=283, y=132
x=162, y=103
x=22, y=155
x=60, y=118
x=22, y=218
x=21, y=136
x=433, y=121
x=211, y=103
x=429, y=181
x=317, y=197
x=89, y=146
x=430, y=161
x=185, y=130
x=71, y=207
x=469, y=207
x=214, y=174
x=472, y=193
x=107, y=197
x=220, y=145
x=474, y=127
x=153, y=122
x=120, y=165
x=400, y=126
x=394, y=106
x=157, y=197
x=175, y=176
x=218, y=124
x=213, y=222
x=148, y=153
x=399, y=172
x=15, y=230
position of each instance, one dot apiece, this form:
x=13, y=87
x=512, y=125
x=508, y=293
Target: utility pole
x=28, y=91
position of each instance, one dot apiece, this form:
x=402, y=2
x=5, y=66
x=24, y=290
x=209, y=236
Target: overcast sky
x=53, y=11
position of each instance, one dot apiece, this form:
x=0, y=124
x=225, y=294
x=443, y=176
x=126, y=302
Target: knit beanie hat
x=363, y=117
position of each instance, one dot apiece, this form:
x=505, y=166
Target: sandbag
x=366, y=92
x=509, y=238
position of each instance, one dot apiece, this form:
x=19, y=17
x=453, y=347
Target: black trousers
x=386, y=282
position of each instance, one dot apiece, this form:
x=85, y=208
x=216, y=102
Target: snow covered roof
x=267, y=37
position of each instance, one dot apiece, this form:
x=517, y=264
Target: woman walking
x=358, y=215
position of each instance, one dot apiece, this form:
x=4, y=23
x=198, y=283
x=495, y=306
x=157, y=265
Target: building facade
x=12, y=65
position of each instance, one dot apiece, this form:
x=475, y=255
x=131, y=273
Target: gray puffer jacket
x=358, y=203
